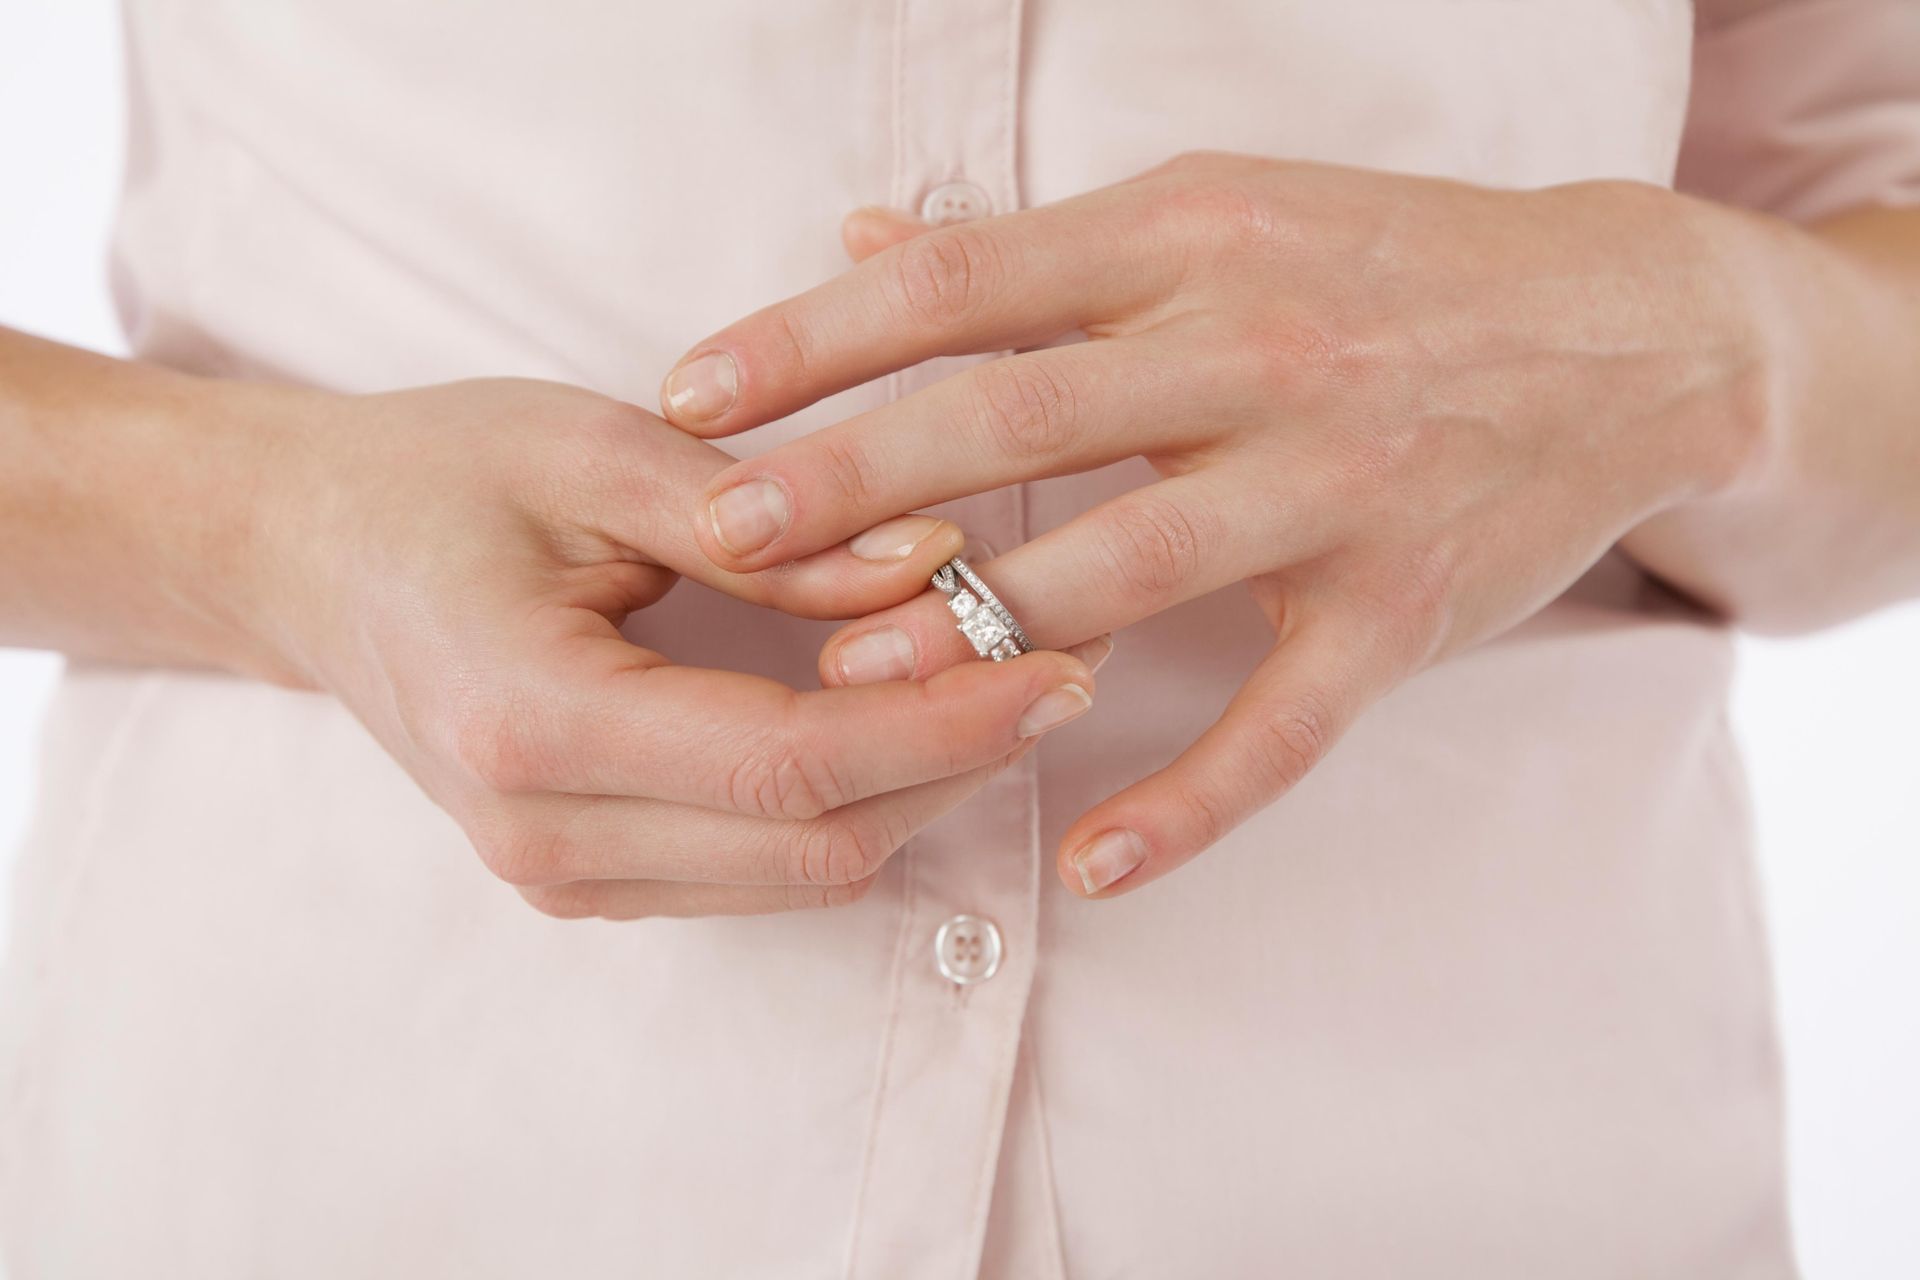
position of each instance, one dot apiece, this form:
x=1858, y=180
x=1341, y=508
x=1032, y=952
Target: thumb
x=871, y=228
x=642, y=496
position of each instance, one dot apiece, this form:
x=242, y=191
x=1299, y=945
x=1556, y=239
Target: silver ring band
x=987, y=624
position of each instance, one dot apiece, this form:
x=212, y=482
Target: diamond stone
x=962, y=603
x=983, y=629
x=1004, y=650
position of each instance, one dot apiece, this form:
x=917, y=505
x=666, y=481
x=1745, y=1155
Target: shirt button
x=968, y=950
x=955, y=202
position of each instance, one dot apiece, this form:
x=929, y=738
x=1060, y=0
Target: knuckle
x=1288, y=352
x=1155, y=546
x=1419, y=597
x=1427, y=580
x=605, y=424
x=1218, y=217
x=943, y=278
x=850, y=469
x=1231, y=211
x=590, y=448
x=1184, y=162
x=794, y=342
x=1202, y=160
x=603, y=457
x=845, y=895
x=1395, y=447
x=840, y=852
x=610, y=452
x=1209, y=815
x=1026, y=409
x=773, y=786
x=525, y=857
x=788, y=781
x=562, y=901
x=1373, y=462
x=1293, y=740
x=808, y=897
x=492, y=744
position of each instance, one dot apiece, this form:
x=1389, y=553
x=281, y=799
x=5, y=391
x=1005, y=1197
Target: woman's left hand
x=1406, y=412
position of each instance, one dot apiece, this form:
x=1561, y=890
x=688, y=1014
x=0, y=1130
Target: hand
x=1405, y=412
x=461, y=559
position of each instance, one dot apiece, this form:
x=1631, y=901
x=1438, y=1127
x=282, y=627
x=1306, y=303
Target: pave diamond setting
x=986, y=623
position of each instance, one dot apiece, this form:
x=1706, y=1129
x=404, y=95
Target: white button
x=955, y=202
x=967, y=949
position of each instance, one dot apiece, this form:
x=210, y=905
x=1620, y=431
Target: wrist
x=140, y=511
x=1751, y=297
x=240, y=569
x=1729, y=402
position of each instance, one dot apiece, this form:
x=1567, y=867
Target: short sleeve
x=1805, y=108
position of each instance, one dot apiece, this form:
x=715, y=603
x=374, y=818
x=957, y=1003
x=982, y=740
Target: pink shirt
x=1487, y=996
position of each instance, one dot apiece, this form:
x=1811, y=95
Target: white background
x=1830, y=723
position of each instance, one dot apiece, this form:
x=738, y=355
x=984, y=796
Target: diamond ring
x=984, y=621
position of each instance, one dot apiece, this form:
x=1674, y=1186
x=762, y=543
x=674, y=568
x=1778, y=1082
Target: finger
x=1094, y=652
x=552, y=839
x=867, y=231
x=615, y=722
x=639, y=496
x=1012, y=281
x=871, y=228
x=1297, y=704
x=1025, y=417
x=873, y=567
x=645, y=899
x=1127, y=559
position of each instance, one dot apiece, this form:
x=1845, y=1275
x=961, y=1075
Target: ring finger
x=1127, y=559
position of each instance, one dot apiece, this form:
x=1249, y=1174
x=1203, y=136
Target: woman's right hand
x=454, y=563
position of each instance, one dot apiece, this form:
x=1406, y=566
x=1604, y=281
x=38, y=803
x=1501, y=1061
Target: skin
x=1405, y=413
x=452, y=563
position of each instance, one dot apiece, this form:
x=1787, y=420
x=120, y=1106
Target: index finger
x=1013, y=281
x=620, y=721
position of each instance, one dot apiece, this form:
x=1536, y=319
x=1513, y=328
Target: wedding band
x=986, y=623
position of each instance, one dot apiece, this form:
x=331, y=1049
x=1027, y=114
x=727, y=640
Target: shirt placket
x=968, y=939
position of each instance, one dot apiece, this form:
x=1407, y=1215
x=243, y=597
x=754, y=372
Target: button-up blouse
x=1486, y=996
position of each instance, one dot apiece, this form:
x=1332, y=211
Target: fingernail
x=749, y=516
x=886, y=213
x=882, y=654
x=703, y=387
x=894, y=540
x=1094, y=652
x=1052, y=709
x=1109, y=857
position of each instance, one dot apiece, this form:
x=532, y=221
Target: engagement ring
x=984, y=621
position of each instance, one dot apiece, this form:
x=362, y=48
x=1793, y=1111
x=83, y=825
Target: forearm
x=131, y=518
x=1823, y=523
